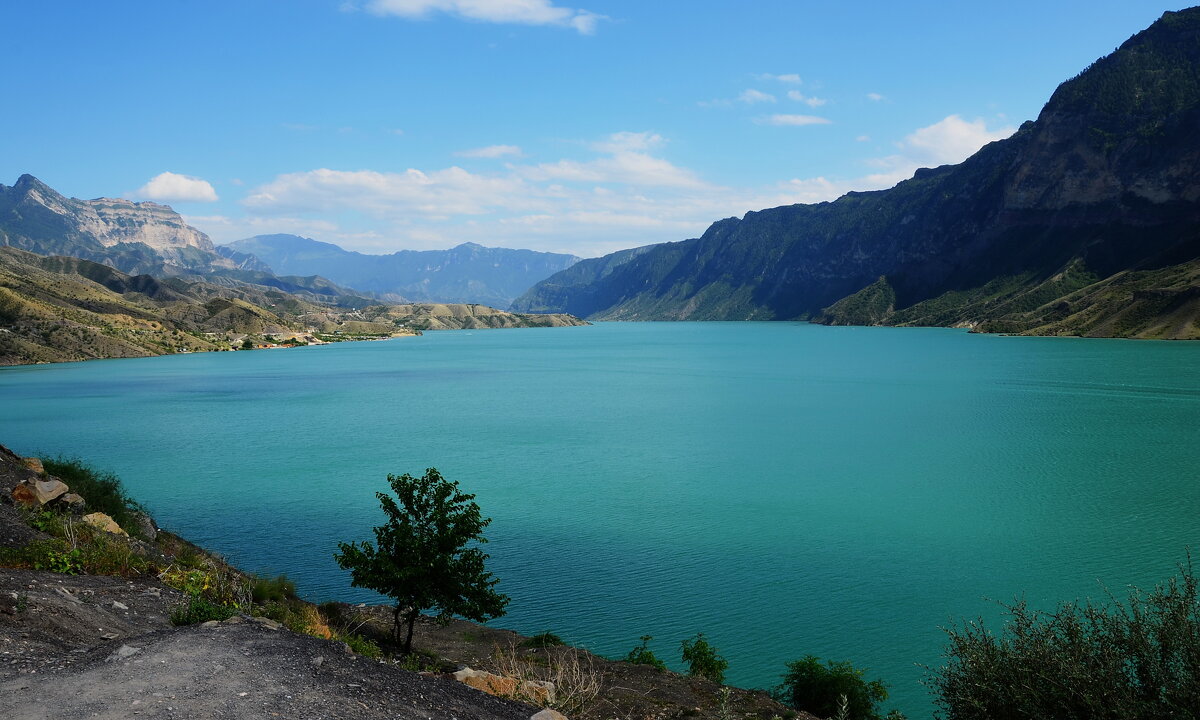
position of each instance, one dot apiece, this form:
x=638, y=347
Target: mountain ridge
x=468, y=272
x=1105, y=181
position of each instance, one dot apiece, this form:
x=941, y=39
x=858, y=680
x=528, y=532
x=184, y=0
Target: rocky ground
x=104, y=646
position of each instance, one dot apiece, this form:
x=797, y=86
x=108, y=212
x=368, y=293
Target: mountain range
x=1084, y=222
x=468, y=273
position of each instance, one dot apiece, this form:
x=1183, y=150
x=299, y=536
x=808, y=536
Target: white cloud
x=792, y=120
x=628, y=142
x=875, y=97
x=807, y=100
x=520, y=12
x=621, y=191
x=863, y=138
x=223, y=229
x=751, y=97
x=790, y=78
x=173, y=187
x=491, y=151
x=950, y=140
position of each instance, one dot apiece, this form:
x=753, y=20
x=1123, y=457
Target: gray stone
x=266, y=622
x=119, y=605
x=123, y=652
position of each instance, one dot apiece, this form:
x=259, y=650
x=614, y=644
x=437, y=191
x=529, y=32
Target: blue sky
x=583, y=126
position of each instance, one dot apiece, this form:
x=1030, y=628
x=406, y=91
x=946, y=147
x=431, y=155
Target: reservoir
x=786, y=489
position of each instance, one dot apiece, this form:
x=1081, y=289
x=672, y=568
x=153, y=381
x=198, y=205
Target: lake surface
x=784, y=488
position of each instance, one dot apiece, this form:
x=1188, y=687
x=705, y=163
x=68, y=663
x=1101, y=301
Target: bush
x=702, y=659
x=198, y=609
x=279, y=589
x=818, y=688
x=643, y=655
x=543, y=640
x=52, y=555
x=1134, y=659
x=104, y=554
x=101, y=490
x=361, y=645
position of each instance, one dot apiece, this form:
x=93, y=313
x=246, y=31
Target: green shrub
x=52, y=555
x=104, y=554
x=543, y=640
x=702, y=659
x=198, y=609
x=818, y=688
x=100, y=489
x=1134, y=659
x=279, y=589
x=47, y=521
x=643, y=655
x=361, y=645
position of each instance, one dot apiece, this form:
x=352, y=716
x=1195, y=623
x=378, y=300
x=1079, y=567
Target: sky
x=582, y=126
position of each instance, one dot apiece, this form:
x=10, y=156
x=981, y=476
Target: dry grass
x=575, y=681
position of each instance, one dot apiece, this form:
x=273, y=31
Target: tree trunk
x=396, y=625
x=412, y=618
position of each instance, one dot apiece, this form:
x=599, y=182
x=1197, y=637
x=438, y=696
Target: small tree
x=819, y=689
x=643, y=655
x=703, y=660
x=425, y=555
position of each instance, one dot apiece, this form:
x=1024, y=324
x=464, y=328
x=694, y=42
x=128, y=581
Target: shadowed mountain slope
x=1055, y=230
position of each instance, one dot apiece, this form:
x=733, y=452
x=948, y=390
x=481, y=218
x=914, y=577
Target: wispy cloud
x=620, y=192
x=874, y=97
x=784, y=120
x=173, y=187
x=750, y=97
x=519, y=12
x=491, y=151
x=806, y=99
x=789, y=78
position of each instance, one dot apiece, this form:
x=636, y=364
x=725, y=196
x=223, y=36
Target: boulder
x=35, y=465
x=146, y=526
x=526, y=690
x=74, y=502
x=23, y=494
x=103, y=522
x=548, y=714
x=36, y=493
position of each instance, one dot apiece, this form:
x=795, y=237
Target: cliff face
x=1105, y=182
x=135, y=237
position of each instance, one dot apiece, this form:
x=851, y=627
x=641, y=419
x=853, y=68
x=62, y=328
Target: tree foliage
x=817, y=688
x=426, y=555
x=702, y=659
x=643, y=655
x=1117, y=660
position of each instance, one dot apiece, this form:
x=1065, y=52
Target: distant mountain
x=56, y=308
x=63, y=308
x=1086, y=221
x=136, y=237
x=468, y=273
x=140, y=238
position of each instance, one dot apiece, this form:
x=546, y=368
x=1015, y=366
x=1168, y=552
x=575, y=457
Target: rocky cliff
x=1059, y=229
x=135, y=237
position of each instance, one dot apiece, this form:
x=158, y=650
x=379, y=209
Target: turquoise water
x=784, y=488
